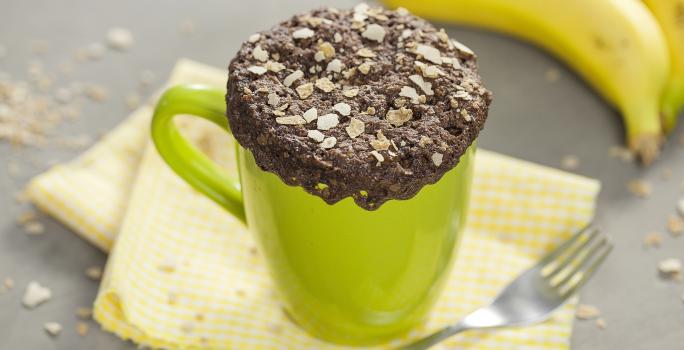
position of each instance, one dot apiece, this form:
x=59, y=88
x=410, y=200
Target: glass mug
x=344, y=274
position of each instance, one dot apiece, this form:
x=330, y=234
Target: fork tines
x=570, y=266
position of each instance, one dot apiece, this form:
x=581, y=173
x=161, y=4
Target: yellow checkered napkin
x=184, y=274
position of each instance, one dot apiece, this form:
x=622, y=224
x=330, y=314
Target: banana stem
x=644, y=132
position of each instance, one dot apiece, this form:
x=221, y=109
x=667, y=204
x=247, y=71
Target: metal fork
x=537, y=292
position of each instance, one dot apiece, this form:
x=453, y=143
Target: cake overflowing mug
x=357, y=133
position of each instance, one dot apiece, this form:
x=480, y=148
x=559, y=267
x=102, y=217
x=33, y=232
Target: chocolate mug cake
x=367, y=103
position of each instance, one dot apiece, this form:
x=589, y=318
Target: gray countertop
x=531, y=118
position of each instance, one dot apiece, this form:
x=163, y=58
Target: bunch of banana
x=616, y=45
x=670, y=15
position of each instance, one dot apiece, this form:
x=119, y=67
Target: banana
x=670, y=15
x=616, y=45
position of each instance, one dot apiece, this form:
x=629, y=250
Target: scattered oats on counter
x=587, y=312
x=96, y=93
x=337, y=37
x=120, y=38
x=53, y=328
x=93, y=52
x=133, y=101
x=34, y=228
x=63, y=95
x=35, y=295
x=39, y=47
x=675, y=225
x=622, y=153
x=552, y=75
x=94, y=273
x=570, y=162
x=640, y=188
x=82, y=329
x=653, y=239
x=84, y=313
x=666, y=174
x=187, y=26
x=601, y=323
x=147, y=77
x=670, y=268
x=7, y=285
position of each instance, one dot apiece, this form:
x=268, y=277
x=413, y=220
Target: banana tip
x=647, y=147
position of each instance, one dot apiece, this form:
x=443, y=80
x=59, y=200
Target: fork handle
x=435, y=338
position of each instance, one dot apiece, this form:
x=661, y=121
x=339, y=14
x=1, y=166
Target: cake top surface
x=364, y=103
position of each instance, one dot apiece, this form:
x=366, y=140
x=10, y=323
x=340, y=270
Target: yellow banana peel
x=670, y=15
x=616, y=45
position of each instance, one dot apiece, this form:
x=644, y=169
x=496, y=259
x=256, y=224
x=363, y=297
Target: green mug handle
x=185, y=159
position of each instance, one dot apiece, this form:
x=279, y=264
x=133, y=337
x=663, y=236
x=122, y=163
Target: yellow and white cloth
x=183, y=274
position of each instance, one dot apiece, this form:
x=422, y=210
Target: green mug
x=344, y=274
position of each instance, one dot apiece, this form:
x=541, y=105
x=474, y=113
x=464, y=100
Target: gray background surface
x=531, y=118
